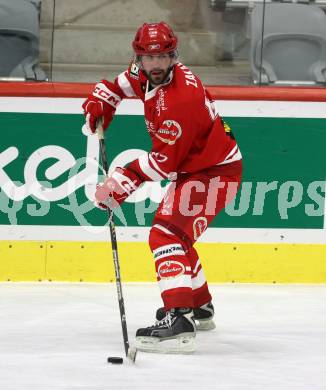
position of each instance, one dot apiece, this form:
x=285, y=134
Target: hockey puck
x=115, y=360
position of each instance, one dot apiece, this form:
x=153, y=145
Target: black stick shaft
x=114, y=245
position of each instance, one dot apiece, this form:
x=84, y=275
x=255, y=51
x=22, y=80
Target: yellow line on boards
x=92, y=262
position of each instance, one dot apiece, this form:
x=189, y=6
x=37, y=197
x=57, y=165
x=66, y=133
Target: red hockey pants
x=189, y=206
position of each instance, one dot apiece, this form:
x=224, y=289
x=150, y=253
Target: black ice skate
x=203, y=316
x=174, y=333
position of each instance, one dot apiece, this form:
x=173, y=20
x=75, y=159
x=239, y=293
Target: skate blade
x=205, y=325
x=183, y=344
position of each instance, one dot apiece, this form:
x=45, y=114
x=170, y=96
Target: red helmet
x=154, y=38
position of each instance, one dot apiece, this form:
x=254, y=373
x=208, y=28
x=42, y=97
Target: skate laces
x=167, y=320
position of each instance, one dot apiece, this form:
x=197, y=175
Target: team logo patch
x=169, y=132
x=134, y=71
x=199, y=226
x=170, y=269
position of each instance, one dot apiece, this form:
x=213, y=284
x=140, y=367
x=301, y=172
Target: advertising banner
x=49, y=170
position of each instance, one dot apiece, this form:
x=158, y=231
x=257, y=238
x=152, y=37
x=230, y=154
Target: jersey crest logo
x=169, y=132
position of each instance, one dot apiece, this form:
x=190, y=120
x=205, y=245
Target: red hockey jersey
x=187, y=134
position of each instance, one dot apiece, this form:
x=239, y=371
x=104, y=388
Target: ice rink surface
x=58, y=336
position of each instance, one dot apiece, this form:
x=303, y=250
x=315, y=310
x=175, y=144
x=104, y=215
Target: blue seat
x=19, y=39
x=294, y=44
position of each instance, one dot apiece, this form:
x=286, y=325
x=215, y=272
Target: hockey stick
x=130, y=352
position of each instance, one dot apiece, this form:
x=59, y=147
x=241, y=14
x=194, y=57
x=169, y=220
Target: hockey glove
x=102, y=103
x=116, y=188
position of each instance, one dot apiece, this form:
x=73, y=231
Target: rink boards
x=274, y=232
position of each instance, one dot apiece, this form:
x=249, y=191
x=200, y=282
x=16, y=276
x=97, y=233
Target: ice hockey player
x=194, y=149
